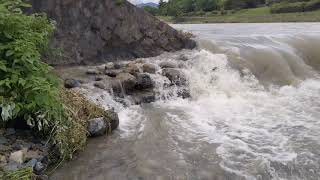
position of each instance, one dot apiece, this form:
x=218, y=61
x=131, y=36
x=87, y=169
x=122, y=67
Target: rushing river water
x=254, y=113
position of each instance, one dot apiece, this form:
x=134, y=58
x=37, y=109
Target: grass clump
x=72, y=136
x=21, y=174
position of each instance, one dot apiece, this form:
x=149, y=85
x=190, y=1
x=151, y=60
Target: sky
x=143, y=1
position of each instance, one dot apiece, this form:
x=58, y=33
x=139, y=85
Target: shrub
x=312, y=5
x=285, y=7
x=28, y=91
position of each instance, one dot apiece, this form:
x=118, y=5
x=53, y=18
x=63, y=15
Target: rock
x=42, y=177
x=214, y=68
x=2, y=131
x=117, y=65
x=98, y=78
x=149, y=68
x=101, y=85
x=12, y=166
x=176, y=76
x=10, y=131
x=98, y=31
x=111, y=73
x=97, y=127
x=132, y=69
x=71, y=83
x=4, y=148
x=3, y=159
x=144, y=97
x=109, y=65
x=127, y=81
x=39, y=168
x=33, y=155
x=3, y=140
x=184, y=93
x=182, y=66
x=113, y=119
x=101, y=68
x=20, y=144
x=31, y=163
x=117, y=88
x=144, y=81
x=17, y=156
x=92, y=72
x=183, y=57
x=168, y=64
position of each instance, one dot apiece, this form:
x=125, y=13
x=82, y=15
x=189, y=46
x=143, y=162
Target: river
x=254, y=113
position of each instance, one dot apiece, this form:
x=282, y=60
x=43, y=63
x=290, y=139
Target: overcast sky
x=143, y=1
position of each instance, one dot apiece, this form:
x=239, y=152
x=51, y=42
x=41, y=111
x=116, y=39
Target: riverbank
x=257, y=15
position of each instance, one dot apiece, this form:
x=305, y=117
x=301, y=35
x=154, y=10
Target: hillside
x=90, y=32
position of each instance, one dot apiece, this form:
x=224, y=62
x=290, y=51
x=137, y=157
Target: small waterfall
x=252, y=112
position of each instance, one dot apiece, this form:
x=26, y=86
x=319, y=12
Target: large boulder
x=144, y=81
x=97, y=31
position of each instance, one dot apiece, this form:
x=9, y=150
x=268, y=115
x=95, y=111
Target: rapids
x=253, y=113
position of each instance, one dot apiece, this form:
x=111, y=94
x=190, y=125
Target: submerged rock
x=111, y=73
x=109, y=65
x=168, y=64
x=93, y=72
x=183, y=57
x=127, y=81
x=149, y=68
x=184, y=93
x=132, y=69
x=113, y=119
x=147, y=96
x=97, y=127
x=176, y=76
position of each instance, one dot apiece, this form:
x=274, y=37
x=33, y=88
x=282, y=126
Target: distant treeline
x=199, y=7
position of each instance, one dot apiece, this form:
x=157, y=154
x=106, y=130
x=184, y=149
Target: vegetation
x=30, y=94
x=237, y=10
x=28, y=91
x=304, y=6
x=22, y=174
x=256, y=15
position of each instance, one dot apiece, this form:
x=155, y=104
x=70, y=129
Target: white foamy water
x=253, y=113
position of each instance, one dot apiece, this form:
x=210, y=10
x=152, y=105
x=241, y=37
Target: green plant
x=287, y=7
x=28, y=91
x=21, y=174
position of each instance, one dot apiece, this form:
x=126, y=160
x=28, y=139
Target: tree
x=152, y=10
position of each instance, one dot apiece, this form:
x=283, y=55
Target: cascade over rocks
x=90, y=32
